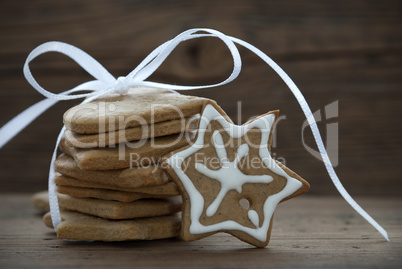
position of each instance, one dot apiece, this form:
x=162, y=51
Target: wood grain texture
x=349, y=51
x=308, y=233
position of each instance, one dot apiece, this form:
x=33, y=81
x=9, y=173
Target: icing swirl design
x=230, y=177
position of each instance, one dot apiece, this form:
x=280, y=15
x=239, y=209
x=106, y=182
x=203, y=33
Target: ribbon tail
x=316, y=133
x=52, y=187
x=341, y=189
x=22, y=120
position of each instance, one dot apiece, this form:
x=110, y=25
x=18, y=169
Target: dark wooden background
x=350, y=51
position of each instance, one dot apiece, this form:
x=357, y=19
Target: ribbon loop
x=88, y=63
x=106, y=83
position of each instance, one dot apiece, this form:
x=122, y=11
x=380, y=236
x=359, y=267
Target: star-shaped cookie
x=228, y=179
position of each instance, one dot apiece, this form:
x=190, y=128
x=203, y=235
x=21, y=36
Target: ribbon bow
x=106, y=83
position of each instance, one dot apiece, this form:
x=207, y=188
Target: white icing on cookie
x=231, y=178
x=253, y=216
x=229, y=175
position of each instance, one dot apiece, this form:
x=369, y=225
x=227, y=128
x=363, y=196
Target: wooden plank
x=312, y=232
x=316, y=25
x=334, y=50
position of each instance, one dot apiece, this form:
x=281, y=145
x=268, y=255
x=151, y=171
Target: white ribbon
x=106, y=83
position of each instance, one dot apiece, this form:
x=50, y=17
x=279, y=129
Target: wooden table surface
x=335, y=50
x=308, y=232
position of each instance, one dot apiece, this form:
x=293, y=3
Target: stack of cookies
x=110, y=182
